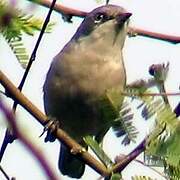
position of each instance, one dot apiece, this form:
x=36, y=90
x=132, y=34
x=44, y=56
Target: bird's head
x=106, y=23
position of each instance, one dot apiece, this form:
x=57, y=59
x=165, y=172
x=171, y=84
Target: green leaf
x=141, y=178
x=92, y=143
x=123, y=124
x=19, y=50
x=173, y=172
x=116, y=176
x=164, y=139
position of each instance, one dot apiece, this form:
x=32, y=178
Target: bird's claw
x=46, y=127
x=51, y=127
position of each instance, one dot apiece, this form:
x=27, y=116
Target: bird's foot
x=77, y=150
x=51, y=128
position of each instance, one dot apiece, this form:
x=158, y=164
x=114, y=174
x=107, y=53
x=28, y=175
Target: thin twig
x=62, y=9
x=150, y=94
x=131, y=156
x=34, y=150
x=162, y=89
x=8, y=138
x=150, y=168
x=33, y=55
x=165, y=37
x=4, y=173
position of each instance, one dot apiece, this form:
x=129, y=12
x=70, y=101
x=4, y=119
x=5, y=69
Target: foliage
x=92, y=143
x=112, y=108
x=123, y=125
x=163, y=141
x=141, y=178
x=100, y=1
x=172, y=171
x=13, y=24
x=116, y=176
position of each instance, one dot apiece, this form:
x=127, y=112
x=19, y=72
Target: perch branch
x=131, y=156
x=60, y=134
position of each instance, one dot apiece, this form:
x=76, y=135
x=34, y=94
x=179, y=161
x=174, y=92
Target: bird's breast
x=74, y=87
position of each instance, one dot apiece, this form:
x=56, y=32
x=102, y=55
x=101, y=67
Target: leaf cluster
x=141, y=178
x=13, y=24
x=123, y=125
x=164, y=139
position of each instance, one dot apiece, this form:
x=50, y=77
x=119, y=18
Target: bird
x=85, y=80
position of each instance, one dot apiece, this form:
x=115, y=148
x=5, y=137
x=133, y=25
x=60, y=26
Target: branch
x=33, y=55
x=155, y=35
x=177, y=110
x=123, y=162
x=4, y=173
x=151, y=168
x=41, y=118
x=34, y=150
x=133, y=31
x=62, y=9
x=150, y=94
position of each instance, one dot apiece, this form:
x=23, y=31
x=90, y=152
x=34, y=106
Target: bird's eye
x=100, y=17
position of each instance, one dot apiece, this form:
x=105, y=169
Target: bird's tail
x=69, y=164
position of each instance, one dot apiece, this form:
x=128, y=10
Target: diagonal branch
x=131, y=156
x=62, y=9
x=33, y=55
x=4, y=173
x=41, y=118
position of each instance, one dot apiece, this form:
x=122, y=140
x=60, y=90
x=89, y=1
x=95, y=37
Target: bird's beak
x=122, y=18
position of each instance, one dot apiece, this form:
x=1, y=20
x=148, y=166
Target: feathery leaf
x=13, y=23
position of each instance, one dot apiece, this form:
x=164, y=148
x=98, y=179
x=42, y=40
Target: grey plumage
x=89, y=66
